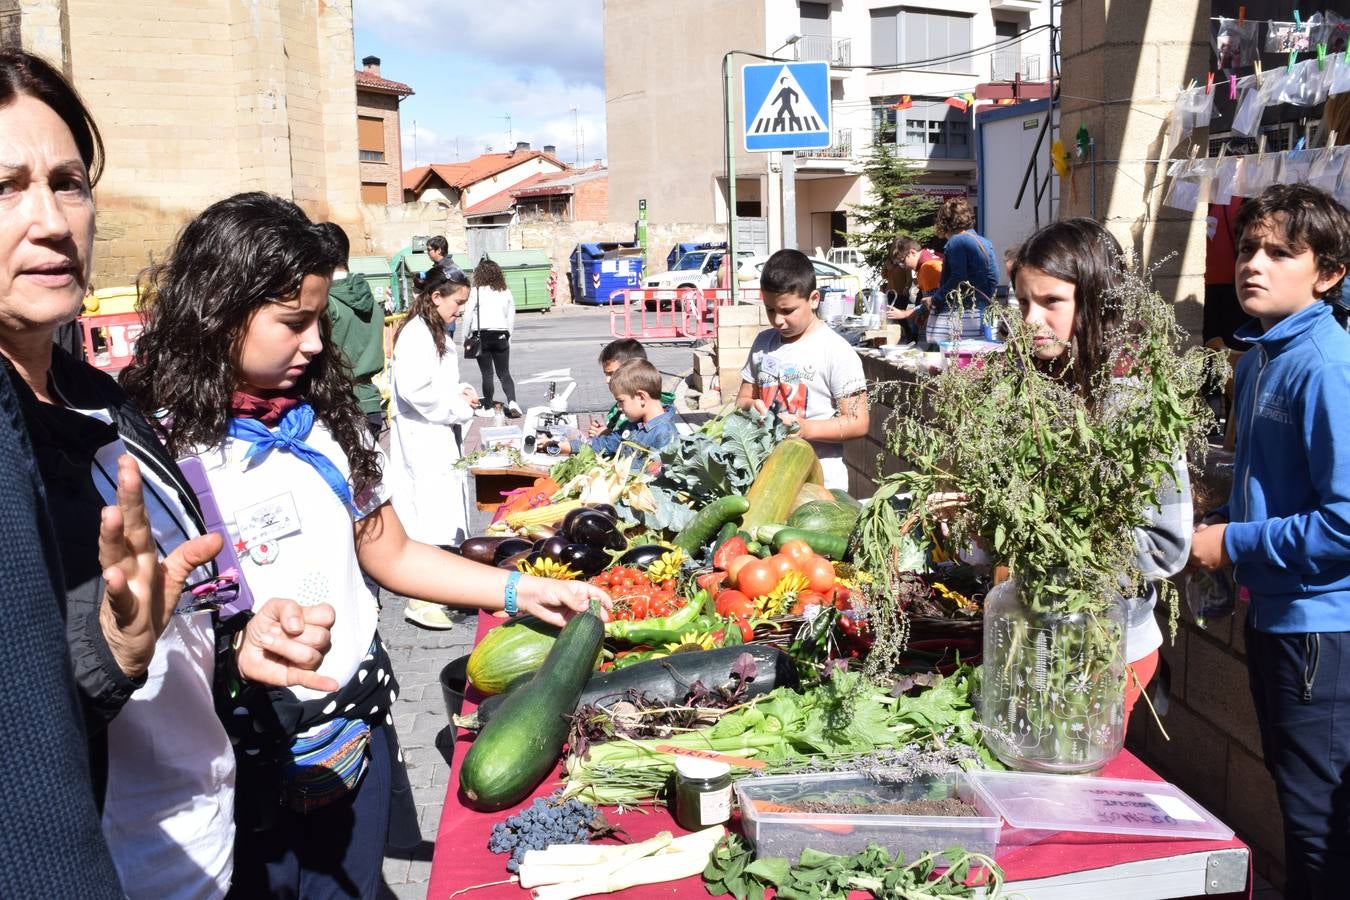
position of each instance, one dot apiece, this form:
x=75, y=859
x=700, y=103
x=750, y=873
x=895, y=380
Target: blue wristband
x=511, y=581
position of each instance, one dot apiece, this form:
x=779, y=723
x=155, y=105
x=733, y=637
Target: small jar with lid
x=702, y=792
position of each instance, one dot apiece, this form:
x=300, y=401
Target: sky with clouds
x=472, y=64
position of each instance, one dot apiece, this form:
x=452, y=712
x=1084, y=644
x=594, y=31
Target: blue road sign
x=786, y=106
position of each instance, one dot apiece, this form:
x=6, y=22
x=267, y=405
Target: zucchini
x=668, y=679
x=826, y=544
x=705, y=525
x=514, y=648
x=514, y=753
x=779, y=480
x=764, y=533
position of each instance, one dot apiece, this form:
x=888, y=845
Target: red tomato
x=747, y=630
x=757, y=578
x=731, y=549
x=781, y=565
x=638, y=604
x=805, y=599
x=799, y=552
x=734, y=603
x=820, y=574
x=711, y=581
x=736, y=565
x=658, y=606
x=843, y=598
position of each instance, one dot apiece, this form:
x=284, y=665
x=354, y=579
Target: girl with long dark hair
x=491, y=314
x=235, y=353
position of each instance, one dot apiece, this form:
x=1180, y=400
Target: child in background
x=358, y=329
x=801, y=370
x=613, y=355
x=1286, y=527
x=235, y=352
x=1063, y=276
x=636, y=386
x=925, y=274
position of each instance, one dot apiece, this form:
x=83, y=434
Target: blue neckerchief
x=290, y=435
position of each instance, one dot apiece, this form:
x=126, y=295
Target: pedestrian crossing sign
x=786, y=106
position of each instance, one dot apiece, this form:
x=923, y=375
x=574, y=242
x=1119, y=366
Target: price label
x=740, y=761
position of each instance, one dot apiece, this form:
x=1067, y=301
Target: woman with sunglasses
x=138, y=565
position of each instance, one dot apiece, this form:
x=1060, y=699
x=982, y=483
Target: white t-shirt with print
x=169, y=812
x=295, y=539
x=808, y=377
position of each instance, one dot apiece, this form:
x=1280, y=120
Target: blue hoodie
x=1289, y=511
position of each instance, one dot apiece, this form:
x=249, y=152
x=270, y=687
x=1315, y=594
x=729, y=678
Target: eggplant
x=643, y=556
x=607, y=510
x=589, y=561
x=553, y=548
x=667, y=679
x=510, y=547
x=565, y=528
x=596, y=529
x=481, y=549
x=513, y=562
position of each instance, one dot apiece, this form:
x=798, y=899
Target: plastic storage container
x=1037, y=806
x=776, y=832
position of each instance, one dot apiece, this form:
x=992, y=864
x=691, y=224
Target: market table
x=1066, y=866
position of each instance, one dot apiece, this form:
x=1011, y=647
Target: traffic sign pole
x=731, y=170
x=789, y=200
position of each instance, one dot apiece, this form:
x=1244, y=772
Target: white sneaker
x=428, y=615
x=513, y=410
x=484, y=412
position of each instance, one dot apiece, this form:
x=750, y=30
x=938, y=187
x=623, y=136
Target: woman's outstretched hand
x=140, y=592
x=557, y=601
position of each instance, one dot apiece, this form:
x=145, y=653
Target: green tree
x=895, y=209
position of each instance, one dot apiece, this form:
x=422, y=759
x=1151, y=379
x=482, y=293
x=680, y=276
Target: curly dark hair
x=434, y=281
x=487, y=274
x=954, y=217
x=1082, y=252
x=236, y=256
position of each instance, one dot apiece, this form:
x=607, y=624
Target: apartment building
x=893, y=66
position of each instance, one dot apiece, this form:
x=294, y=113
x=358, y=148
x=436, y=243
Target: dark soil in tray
x=949, y=806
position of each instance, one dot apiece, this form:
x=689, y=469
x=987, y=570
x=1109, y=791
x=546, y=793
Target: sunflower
x=547, y=568
x=781, y=598
x=666, y=566
x=693, y=640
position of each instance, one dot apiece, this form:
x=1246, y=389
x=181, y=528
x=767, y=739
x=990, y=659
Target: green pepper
x=662, y=629
x=637, y=656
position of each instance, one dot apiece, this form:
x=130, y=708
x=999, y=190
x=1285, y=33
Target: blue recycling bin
x=598, y=270
x=684, y=247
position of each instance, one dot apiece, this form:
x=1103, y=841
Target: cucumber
x=517, y=750
x=698, y=533
x=829, y=545
x=764, y=533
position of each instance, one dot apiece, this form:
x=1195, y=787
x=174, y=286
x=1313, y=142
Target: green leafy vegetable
x=572, y=466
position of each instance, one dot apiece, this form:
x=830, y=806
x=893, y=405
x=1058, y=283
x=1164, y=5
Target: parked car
x=851, y=259
x=697, y=269
x=829, y=277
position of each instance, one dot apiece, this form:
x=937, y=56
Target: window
x=927, y=130
x=906, y=36
x=370, y=138
x=374, y=192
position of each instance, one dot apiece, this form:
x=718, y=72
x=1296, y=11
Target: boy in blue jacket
x=1286, y=527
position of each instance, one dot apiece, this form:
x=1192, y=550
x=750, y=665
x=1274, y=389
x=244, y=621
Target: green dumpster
x=526, y=274
x=378, y=274
x=407, y=263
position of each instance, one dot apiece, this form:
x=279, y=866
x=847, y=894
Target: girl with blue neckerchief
x=236, y=354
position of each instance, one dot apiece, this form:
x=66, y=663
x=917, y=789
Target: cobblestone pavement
x=569, y=338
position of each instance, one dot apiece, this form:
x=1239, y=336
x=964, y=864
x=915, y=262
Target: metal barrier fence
x=672, y=315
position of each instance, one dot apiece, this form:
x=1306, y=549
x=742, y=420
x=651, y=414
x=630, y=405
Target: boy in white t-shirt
x=801, y=370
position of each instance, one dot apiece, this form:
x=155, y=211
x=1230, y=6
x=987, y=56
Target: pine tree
x=891, y=213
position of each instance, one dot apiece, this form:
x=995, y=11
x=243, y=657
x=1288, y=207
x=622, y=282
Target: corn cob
x=542, y=515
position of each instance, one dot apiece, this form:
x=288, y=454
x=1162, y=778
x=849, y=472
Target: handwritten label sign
x=740, y=761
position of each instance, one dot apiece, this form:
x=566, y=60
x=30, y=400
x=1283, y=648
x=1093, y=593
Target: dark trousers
x=496, y=354
x=1301, y=686
x=334, y=852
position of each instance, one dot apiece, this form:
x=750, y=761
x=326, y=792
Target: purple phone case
x=226, y=559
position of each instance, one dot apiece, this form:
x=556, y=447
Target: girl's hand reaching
x=557, y=601
x=140, y=592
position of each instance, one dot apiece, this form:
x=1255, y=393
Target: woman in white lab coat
x=430, y=405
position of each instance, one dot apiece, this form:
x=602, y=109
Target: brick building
x=197, y=101
x=377, y=133
x=567, y=197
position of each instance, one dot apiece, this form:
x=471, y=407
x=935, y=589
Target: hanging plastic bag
x=1304, y=83
x=1225, y=179
x=1210, y=595
x=1294, y=166
x=1247, y=118
x=1256, y=173
x=1328, y=28
x=1235, y=45
x=1338, y=76
x=1286, y=37
x=1193, y=110
x=1325, y=171
x=1188, y=182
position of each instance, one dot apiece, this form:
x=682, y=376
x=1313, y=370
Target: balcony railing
x=841, y=148
x=1007, y=65
x=822, y=48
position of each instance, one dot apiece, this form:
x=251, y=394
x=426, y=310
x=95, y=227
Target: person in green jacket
x=358, y=330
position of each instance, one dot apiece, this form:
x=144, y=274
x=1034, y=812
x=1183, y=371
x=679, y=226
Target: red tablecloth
x=462, y=858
